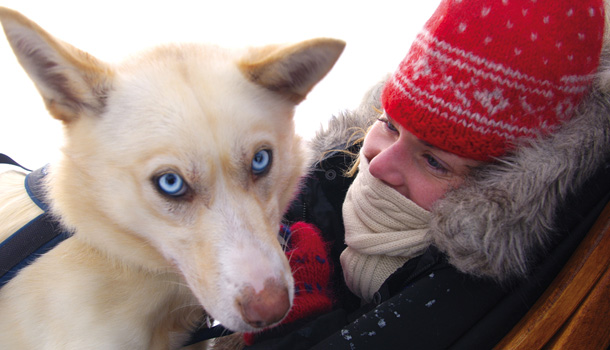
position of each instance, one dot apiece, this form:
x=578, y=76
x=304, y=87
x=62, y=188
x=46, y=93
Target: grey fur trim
x=348, y=126
x=505, y=215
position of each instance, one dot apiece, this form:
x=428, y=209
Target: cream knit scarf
x=383, y=229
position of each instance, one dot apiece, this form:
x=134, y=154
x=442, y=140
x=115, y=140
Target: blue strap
x=33, y=239
x=35, y=187
x=27, y=244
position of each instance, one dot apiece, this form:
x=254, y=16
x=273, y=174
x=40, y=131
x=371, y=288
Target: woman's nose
x=388, y=165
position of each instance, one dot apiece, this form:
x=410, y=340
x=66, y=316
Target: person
x=485, y=161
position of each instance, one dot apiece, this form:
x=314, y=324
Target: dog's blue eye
x=171, y=184
x=261, y=162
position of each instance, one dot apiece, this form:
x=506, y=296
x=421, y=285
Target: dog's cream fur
x=141, y=264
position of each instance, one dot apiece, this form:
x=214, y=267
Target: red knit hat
x=484, y=73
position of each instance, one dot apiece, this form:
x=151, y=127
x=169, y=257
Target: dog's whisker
x=297, y=269
x=290, y=256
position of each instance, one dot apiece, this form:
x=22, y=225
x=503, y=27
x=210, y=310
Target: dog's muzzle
x=266, y=307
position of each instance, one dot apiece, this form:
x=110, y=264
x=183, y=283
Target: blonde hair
x=361, y=135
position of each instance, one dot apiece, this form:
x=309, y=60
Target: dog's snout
x=266, y=307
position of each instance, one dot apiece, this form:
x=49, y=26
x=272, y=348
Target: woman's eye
x=261, y=162
x=388, y=124
x=171, y=184
x=435, y=164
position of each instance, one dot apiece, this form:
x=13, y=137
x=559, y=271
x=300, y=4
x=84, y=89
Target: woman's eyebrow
x=427, y=144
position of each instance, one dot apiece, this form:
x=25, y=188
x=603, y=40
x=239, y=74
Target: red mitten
x=308, y=258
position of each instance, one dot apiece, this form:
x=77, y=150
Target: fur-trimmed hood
x=505, y=214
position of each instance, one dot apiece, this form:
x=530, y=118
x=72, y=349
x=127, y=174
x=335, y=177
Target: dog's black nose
x=266, y=307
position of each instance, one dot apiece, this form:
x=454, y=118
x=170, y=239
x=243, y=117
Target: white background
x=378, y=35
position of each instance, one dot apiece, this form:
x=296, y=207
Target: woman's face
x=414, y=168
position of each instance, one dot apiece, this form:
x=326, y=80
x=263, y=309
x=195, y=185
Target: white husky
x=176, y=170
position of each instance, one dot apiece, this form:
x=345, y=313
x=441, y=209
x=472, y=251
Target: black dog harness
x=36, y=237
x=43, y=233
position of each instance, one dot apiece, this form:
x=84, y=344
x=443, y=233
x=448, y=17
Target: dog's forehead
x=194, y=100
x=201, y=81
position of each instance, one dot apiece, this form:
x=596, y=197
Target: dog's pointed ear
x=292, y=70
x=70, y=81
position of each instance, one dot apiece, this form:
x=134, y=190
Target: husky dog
x=177, y=167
